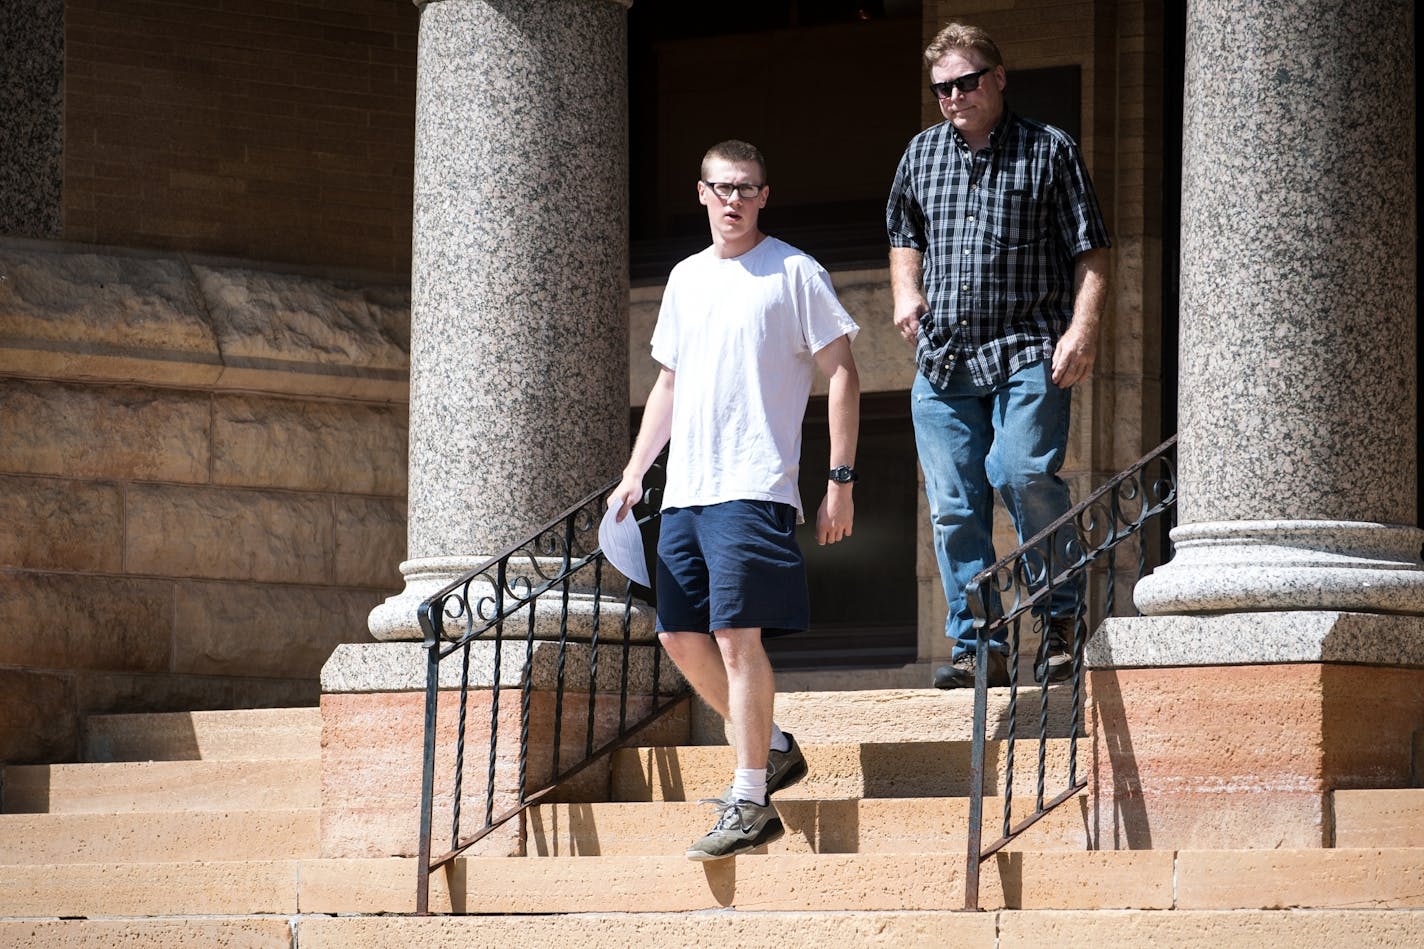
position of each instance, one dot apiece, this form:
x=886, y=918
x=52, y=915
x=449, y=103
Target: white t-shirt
x=741, y=334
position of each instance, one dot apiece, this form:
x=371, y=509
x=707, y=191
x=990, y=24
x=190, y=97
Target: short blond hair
x=734, y=150
x=962, y=37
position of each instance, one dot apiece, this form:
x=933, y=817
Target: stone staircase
x=202, y=829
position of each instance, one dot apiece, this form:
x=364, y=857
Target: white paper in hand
x=622, y=544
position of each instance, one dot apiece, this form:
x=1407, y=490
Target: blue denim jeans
x=973, y=440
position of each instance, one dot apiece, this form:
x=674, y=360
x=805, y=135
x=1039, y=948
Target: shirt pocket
x=1020, y=223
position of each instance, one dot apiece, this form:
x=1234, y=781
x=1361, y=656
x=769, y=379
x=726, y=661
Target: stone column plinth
x=519, y=326
x=1298, y=402
x=373, y=722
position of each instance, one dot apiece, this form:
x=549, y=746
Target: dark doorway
x=863, y=602
x=863, y=590
x=827, y=89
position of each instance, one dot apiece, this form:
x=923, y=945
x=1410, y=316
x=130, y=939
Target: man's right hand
x=628, y=493
x=907, y=318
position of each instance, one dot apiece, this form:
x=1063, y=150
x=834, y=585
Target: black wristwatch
x=845, y=474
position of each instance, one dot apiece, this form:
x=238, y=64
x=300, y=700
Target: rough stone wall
x=202, y=482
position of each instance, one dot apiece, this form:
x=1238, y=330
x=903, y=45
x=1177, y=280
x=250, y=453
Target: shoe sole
x=969, y=684
x=771, y=832
x=1059, y=673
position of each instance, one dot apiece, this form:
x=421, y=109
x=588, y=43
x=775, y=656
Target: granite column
x=518, y=397
x=519, y=325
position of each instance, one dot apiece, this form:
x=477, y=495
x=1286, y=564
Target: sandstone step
x=846, y=770
x=1124, y=879
x=223, y=734
x=159, y=837
x=1005, y=929
x=219, y=888
x=118, y=787
x=1382, y=818
x=241, y=932
x=760, y=882
x=722, y=929
x=891, y=715
x=1320, y=878
x=903, y=825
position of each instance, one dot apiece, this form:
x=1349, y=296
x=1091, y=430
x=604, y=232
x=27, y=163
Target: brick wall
x=275, y=130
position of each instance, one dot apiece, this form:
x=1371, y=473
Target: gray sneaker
x=741, y=826
x=783, y=768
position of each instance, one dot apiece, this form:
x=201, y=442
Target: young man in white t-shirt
x=744, y=325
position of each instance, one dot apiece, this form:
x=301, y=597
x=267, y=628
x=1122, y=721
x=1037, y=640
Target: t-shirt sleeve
x=664, y=342
x=823, y=319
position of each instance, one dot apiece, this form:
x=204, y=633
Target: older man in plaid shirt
x=998, y=266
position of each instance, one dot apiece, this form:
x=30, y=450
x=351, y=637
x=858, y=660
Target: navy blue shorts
x=732, y=565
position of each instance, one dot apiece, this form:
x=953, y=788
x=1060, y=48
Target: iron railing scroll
x=1081, y=548
x=517, y=598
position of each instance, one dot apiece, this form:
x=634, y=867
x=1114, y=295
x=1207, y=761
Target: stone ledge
x=1258, y=638
x=117, y=314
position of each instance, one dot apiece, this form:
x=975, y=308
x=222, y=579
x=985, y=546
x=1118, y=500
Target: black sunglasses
x=965, y=83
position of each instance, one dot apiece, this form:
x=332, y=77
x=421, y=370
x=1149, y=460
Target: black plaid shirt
x=999, y=230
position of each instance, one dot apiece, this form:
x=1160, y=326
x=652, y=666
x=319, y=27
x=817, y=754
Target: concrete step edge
x=212, y=734
x=847, y=770
x=1378, y=817
x=1003, y=929
x=159, y=785
x=149, y=837
x=1059, y=880
x=871, y=825
x=892, y=714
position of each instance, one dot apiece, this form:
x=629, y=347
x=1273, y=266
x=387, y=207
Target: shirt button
x=964, y=286
x=966, y=250
x=963, y=322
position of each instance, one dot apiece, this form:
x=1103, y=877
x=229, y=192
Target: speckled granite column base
x=425, y=578
x=1298, y=297
x=1288, y=565
x=519, y=277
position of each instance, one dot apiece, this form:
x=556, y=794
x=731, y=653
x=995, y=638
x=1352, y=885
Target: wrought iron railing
x=1080, y=549
x=475, y=622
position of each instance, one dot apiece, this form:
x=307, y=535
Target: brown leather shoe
x=959, y=674
x=1055, y=657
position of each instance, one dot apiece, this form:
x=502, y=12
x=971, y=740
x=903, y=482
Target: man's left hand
x=1073, y=358
x=834, y=518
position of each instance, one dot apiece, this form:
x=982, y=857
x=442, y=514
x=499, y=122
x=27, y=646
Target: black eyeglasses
x=965, y=83
x=725, y=189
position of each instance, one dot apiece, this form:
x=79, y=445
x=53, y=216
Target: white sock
x=749, y=784
x=779, y=741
